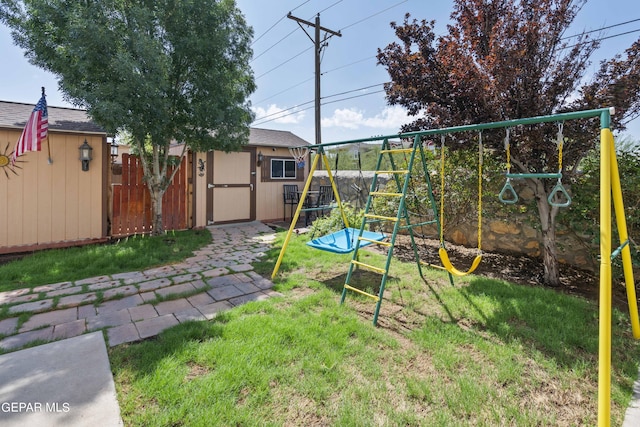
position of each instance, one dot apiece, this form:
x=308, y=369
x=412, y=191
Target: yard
x=482, y=352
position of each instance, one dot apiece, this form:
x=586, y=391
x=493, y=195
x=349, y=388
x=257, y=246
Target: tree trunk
x=155, y=168
x=547, y=215
x=156, y=211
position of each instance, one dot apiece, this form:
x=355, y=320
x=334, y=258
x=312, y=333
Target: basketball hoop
x=299, y=153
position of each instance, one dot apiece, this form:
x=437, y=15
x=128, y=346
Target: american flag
x=35, y=130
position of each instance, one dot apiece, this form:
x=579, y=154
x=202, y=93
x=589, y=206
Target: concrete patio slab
x=66, y=383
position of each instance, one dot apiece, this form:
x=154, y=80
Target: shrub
x=333, y=222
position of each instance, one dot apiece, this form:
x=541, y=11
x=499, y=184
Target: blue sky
x=284, y=65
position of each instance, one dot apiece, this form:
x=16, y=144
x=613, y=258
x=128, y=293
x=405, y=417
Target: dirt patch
x=515, y=269
x=196, y=371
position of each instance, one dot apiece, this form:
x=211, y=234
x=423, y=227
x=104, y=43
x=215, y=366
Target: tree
x=503, y=60
x=161, y=70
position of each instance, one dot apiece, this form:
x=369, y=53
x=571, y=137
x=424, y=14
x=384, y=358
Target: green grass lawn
x=483, y=352
x=129, y=254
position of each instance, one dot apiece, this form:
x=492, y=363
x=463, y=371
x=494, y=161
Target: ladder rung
x=370, y=267
x=418, y=224
x=399, y=172
x=378, y=193
x=351, y=288
x=385, y=218
x=397, y=150
x=377, y=242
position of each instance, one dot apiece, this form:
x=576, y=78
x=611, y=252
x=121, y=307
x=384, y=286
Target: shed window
x=283, y=169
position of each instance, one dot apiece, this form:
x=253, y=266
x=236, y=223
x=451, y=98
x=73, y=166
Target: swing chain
x=507, y=149
x=559, y=190
x=507, y=189
x=442, y=158
x=560, y=143
x=480, y=164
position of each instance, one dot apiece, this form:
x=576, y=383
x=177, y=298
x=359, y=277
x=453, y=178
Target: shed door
x=231, y=185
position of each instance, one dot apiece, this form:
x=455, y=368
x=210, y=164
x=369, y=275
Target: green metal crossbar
x=533, y=175
x=602, y=113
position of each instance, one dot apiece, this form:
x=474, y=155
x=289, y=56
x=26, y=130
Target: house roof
x=15, y=115
x=274, y=138
x=259, y=138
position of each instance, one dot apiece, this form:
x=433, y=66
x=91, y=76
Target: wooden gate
x=131, y=201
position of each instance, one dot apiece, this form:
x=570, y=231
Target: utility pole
x=318, y=44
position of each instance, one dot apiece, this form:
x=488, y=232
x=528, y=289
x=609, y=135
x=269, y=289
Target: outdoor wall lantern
x=85, y=155
x=114, y=150
x=260, y=158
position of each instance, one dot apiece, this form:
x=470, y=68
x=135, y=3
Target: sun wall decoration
x=5, y=162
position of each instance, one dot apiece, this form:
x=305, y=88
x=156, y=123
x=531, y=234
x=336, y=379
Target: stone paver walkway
x=141, y=304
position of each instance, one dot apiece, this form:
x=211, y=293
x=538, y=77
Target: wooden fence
x=131, y=201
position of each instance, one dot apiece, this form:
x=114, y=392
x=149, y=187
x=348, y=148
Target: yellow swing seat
x=444, y=258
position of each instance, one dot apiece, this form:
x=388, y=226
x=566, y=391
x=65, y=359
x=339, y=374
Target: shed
x=58, y=204
x=51, y=203
x=247, y=185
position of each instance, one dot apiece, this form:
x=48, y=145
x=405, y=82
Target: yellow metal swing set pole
x=296, y=215
x=610, y=189
x=303, y=197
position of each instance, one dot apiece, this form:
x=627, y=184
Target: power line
x=283, y=91
x=260, y=121
x=329, y=7
x=601, y=29
x=286, y=36
x=278, y=21
x=351, y=91
x=311, y=78
x=282, y=63
x=294, y=110
x=274, y=45
x=602, y=38
x=371, y=16
x=353, y=97
x=350, y=64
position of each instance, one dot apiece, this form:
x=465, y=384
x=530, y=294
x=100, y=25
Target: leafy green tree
x=503, y=60
x=161, y=70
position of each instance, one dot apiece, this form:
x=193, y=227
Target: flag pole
x=49, y=160
x=49, y=151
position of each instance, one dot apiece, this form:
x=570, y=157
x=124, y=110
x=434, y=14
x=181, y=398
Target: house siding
x=268, y=193
x=48, y=204
x=269, y=199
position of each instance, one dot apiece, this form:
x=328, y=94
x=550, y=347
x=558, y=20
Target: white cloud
x=348, y=118
x=278, y=115
x=389, y=118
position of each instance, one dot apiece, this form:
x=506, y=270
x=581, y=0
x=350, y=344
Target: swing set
x=610, y=196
